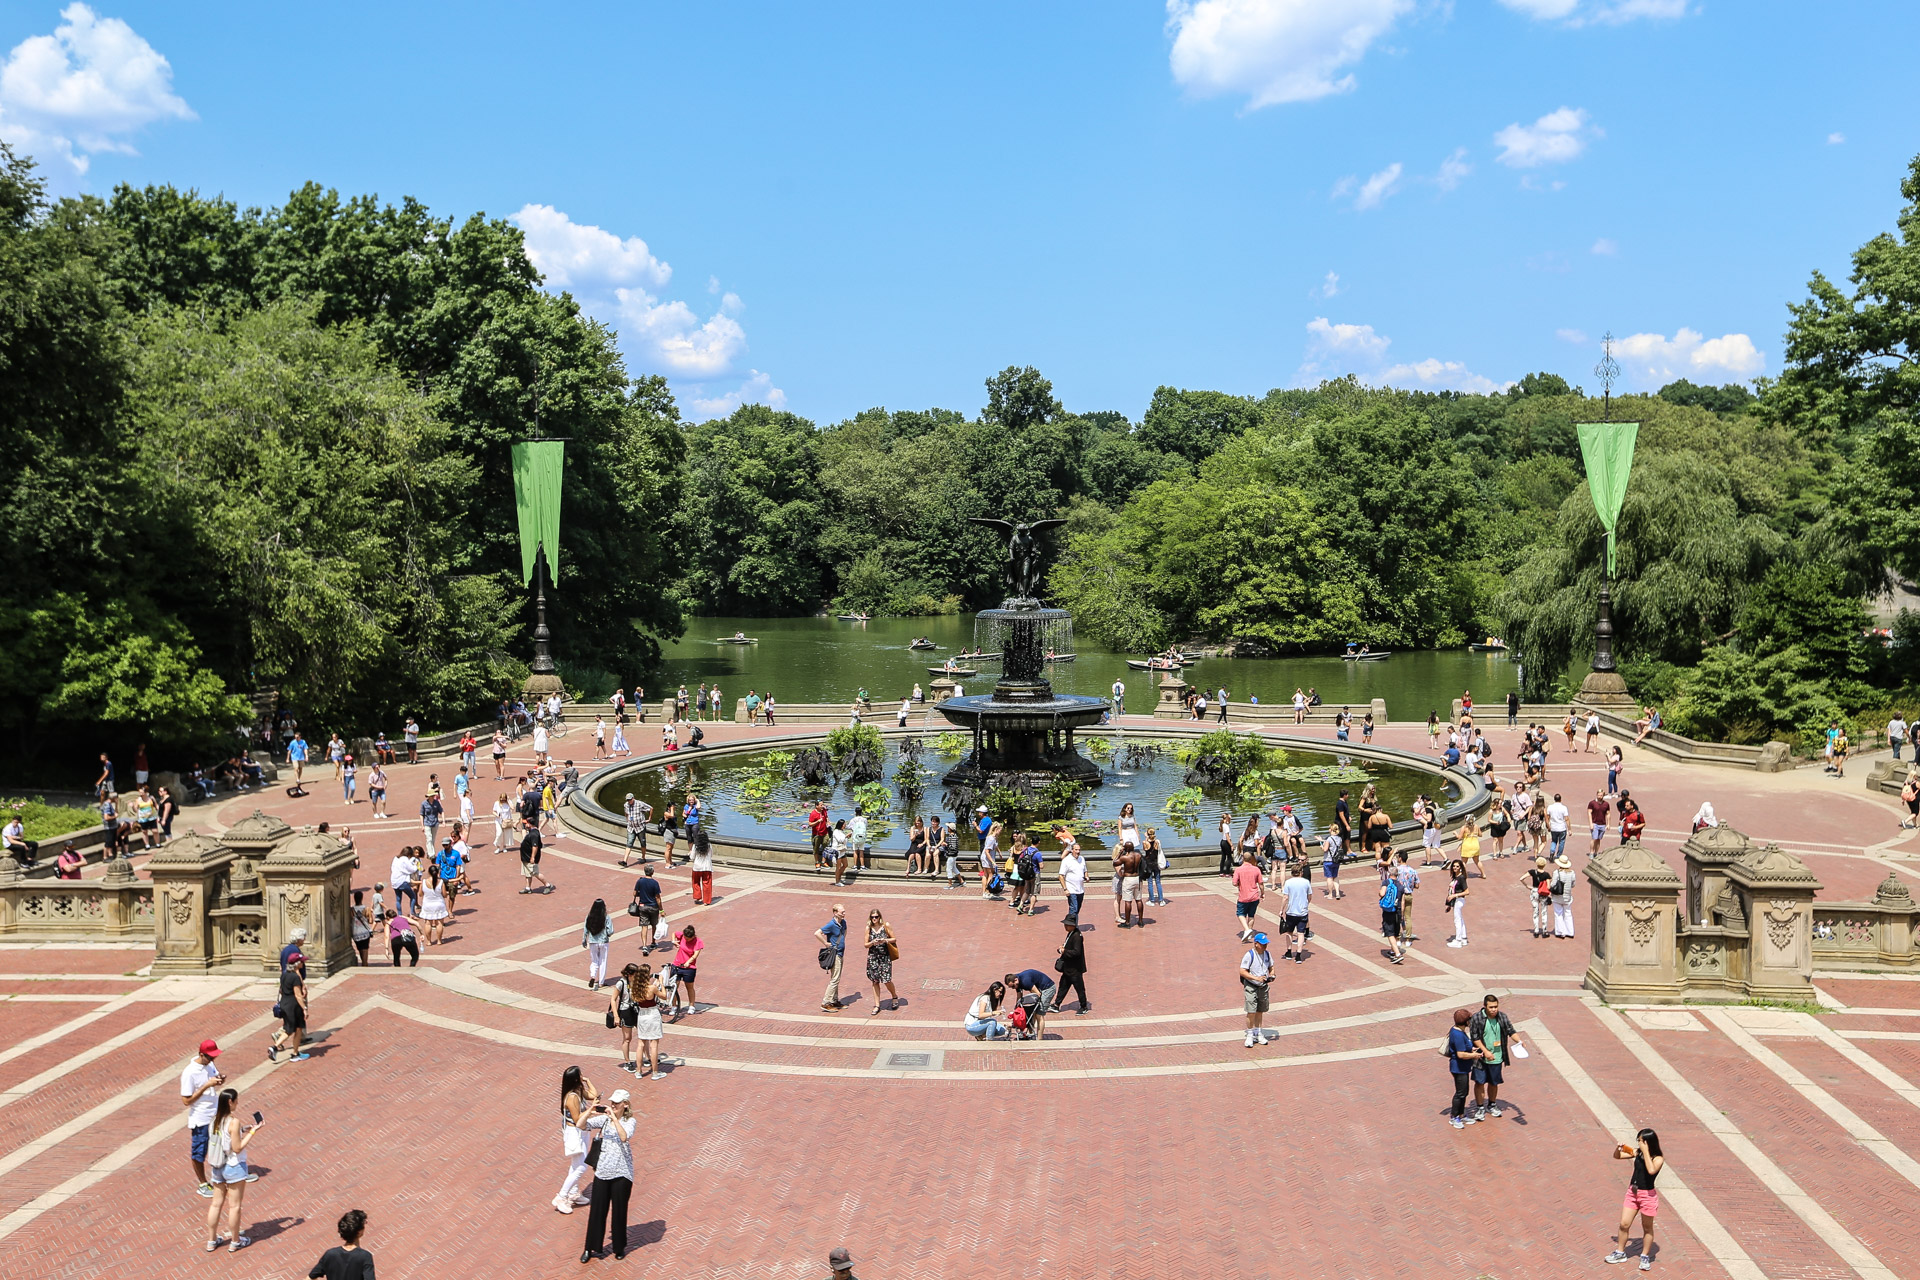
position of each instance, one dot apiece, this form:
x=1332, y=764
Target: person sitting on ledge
x=1645, y=725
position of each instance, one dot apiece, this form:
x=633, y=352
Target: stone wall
x=1744, y=924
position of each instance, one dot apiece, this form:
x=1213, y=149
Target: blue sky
x=836, y=207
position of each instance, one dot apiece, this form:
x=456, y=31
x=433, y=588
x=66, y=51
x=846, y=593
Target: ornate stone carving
x=1893, y=895
x=1782, y=917
x=1641, y=916
x=297, y=902
x=180, y=903
x=1703, y=958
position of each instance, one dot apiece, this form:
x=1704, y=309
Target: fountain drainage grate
x=910, y=1060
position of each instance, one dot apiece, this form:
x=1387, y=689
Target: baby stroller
x=1026, y=1011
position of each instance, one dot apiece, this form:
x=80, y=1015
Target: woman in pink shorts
x=1641, y=1197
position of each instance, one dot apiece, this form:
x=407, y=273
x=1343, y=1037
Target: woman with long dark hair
x=227, y=1171
x=597, y=938
x=623, y=1013
x=576, y=1096
x=648, y=1026
x=686, y=961
x=1641, y=1199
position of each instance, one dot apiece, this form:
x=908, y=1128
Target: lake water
x=802, y=660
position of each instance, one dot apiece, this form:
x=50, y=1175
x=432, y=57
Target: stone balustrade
x=116, y=906
x=1747, y=929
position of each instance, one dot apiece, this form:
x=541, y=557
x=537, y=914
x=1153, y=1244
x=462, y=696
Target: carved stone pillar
x=1173, y=697
x=1776, y=894
x=307, y=882
x=187, y=873
x=1709, y=853
x=1636, y=898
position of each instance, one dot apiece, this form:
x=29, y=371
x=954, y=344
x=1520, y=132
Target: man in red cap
x=200, y=1095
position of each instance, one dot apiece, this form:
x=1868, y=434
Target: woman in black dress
x=1072, y=967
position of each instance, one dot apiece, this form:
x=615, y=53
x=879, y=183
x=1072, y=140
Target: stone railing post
x=1709, y=853
x=1636, y=899
x=1776, y=895
x=187, y=873
x=1379, y=713
x=1173, y=693
x=307, y=882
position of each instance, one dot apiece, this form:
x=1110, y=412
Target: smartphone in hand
x=256, y=1118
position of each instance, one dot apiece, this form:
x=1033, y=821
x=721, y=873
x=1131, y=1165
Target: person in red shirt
x=1597, y=811
x=1247, y=888
x=819, y=827
x=1632, y=821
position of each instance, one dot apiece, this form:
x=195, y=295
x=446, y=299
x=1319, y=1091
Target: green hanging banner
x=1607, y=449
x=537, y=468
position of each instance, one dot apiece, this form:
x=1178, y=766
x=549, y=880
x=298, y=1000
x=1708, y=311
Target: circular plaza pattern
x=1141, y=1137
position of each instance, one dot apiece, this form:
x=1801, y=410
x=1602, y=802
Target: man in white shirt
x=1073, y=872
x=401, y=876
x=1897, y=734
x=1557, y=825
x=1297, y=893
x=1119, y=692
x=200, y=1095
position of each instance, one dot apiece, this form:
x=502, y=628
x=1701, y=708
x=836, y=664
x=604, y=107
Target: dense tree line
x=250, y=447
x=270, y=446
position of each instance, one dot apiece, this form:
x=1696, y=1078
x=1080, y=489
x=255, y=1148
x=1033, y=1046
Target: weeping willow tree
x=1687, y=555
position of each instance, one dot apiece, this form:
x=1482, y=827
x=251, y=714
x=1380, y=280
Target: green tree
x=323, y=494
x=1195, y=424
x=1687, y=559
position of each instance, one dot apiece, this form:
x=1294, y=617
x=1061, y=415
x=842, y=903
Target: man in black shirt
x=293, y=1009
x=646, y=895
x=1343, y=820
x=530, y=845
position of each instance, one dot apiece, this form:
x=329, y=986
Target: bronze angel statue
x=1023, y=553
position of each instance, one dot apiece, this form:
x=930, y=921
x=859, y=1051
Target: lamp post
x=1606, y=447
x=538, y=466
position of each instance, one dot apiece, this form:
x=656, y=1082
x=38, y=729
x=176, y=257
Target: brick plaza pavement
x=1142, y=1138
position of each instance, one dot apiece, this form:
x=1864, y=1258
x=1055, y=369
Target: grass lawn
x=47, y=820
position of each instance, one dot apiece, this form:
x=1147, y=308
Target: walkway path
x=1142, y=1138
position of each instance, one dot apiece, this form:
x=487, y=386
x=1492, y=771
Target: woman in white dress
x=576, y=1096
x=648, y=1027
x=502, y=821
x=433, y=904
x=1129, y=832
x=620, y=747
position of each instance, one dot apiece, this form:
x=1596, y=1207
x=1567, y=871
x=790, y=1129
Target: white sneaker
x=1456, y=942
x=563, y=1206
x=1249, y=1039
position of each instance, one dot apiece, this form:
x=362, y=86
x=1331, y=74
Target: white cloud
x=1655, y=359
x=1605, y=248
x=86, y=88
x=1274, y=51
x=1612, y=12
x=609, y=277
x=1343, y=187
x=1835, y=139
x=1578, y=337
x=1437, y=375
x=1627, y=10
x=1327, y=287
x=1554, y=138
x=1336, y=349
x=568, y=253
x=757, y=389
x=1378, y=187
x=1453, y=170
x=1546, y=10
x=1350, y=340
